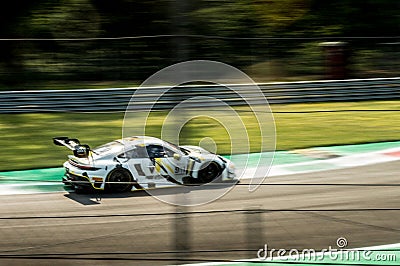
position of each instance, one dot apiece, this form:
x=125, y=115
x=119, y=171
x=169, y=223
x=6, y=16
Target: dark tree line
x=274, y=38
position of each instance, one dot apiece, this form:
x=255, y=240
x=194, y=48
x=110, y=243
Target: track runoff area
x=319, y=159
x=285, y=163
x=296, y=163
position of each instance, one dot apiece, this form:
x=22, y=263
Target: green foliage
x=353, y=18
x=234, y=26
x=65, y=19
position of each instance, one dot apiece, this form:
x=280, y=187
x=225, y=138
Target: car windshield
x=177, y=148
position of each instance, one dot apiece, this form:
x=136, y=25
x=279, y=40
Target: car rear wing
x=80, y=150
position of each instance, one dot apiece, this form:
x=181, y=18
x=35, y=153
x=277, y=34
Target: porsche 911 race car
x=140, y=163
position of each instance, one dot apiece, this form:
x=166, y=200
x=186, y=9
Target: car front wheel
x=209, y=172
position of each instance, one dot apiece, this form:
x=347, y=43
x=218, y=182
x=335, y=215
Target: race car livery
x=141, y=162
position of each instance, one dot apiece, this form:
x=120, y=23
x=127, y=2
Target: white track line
x=284, y=258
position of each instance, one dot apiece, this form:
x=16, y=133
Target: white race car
x=140, y=163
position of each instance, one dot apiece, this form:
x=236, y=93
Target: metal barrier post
x=181, y=234
x=254, y=231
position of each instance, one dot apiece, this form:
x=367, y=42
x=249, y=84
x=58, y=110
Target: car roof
x=117, y=146
x=137, y=140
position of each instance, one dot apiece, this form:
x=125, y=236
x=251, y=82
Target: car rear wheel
x=209, y=172
x=119, y=180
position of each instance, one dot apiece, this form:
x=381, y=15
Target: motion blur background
x=82, y=44
x=87, y=43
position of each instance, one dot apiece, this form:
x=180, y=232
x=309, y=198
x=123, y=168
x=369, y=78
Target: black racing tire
x=119, y=180
x=209, y=172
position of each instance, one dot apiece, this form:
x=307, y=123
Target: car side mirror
x=177, y=156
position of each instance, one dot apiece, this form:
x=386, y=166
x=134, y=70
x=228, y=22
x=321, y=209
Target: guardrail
x=117, y=99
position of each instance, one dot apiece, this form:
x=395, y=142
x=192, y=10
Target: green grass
x=26, y=139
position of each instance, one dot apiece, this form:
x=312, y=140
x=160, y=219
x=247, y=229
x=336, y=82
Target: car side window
x=155, y=151
x=137, y=152
x=158, y=151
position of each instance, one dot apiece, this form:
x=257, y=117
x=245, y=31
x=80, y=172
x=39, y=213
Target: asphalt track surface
x=299, y=211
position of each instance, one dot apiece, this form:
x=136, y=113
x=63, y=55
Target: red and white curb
x=353, y=160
